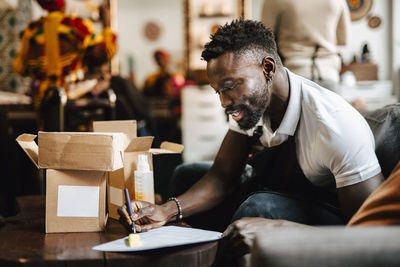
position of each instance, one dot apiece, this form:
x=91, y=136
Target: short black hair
x=239, y=36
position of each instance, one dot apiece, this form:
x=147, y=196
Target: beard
x=251, y=113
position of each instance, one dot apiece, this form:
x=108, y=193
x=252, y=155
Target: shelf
x=215, y=16
x=201, y=21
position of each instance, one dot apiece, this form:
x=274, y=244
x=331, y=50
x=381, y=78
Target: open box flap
x=128, y=127
x=167, y=147
x=27, y=142
x=101, y=151
x=140, y=144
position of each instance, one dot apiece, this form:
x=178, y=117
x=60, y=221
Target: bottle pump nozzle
x=143, y=163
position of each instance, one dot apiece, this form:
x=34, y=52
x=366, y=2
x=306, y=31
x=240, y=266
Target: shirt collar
x=291, y=118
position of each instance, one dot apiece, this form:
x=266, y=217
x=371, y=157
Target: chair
x=165, y=118
x=60, y=114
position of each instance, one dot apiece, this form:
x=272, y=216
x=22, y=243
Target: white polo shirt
x=334, y=144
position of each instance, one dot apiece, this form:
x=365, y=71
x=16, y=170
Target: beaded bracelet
x=179, y=216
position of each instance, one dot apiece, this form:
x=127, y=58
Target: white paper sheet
x=78, y=201
x=166, y=236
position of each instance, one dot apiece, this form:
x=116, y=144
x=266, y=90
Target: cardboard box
x=362, y=71
x=81, y=151
x=119, y=179
x=75, y=151
x=75, y=199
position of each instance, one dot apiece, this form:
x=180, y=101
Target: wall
x=396, y=46
x=379, y=39
x=132, y=16
x=6, y=3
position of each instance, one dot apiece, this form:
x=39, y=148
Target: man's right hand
x=146, y=216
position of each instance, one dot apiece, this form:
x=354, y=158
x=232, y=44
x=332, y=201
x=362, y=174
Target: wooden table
x=24, y=243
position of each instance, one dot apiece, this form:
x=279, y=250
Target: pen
x=129, y=207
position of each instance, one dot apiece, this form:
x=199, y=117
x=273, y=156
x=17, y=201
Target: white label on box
x=78, y=201
x=116, y=196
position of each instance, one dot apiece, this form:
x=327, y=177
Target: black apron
x=277, y=169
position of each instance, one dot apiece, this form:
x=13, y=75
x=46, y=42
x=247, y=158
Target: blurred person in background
x=307, y=33
x=163, y=82
x=162, y=89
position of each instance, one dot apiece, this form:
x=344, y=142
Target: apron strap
x=314, y=67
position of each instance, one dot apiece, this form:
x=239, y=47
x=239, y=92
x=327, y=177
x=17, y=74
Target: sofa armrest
x=327, y=246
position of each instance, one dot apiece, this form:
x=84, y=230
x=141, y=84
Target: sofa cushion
x=327, y=246
x=385, y=125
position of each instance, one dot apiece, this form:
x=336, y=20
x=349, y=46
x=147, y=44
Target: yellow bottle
x=144, y=181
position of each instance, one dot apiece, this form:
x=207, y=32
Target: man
x=317, y=146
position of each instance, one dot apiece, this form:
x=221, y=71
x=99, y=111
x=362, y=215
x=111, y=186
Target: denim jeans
x=275, y=205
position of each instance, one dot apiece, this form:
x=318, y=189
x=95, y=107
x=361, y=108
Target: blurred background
x=145, y=64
